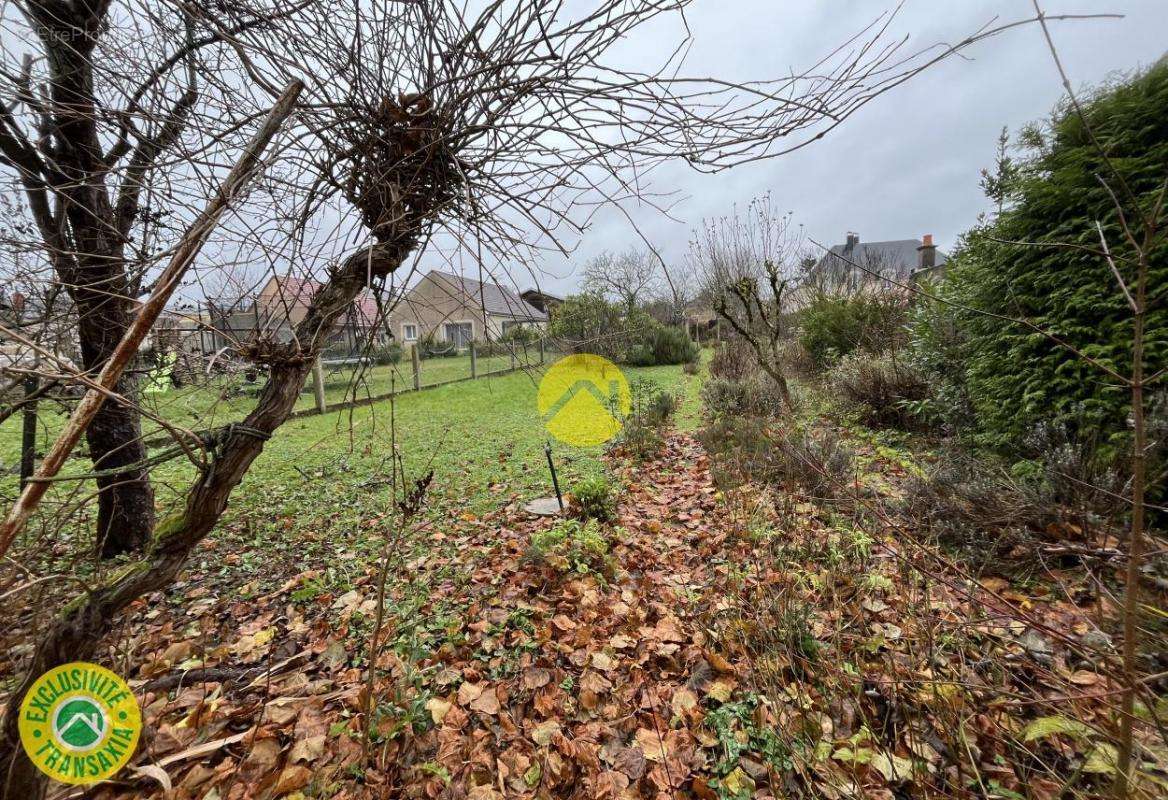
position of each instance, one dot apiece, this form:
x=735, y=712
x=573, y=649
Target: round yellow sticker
x=583, y=398
x=79, y=723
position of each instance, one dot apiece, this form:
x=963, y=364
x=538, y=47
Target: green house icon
x=79, y=723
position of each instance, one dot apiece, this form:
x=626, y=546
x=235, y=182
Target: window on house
x=459, y=333
x=510, y=325
x=410, y=333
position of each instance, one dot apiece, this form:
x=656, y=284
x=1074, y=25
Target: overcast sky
x=908, y=163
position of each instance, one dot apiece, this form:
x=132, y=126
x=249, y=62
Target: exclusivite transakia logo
x=79, y=723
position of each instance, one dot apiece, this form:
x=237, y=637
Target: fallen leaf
x=438, y=709
x=720, y=689
x=542, y=733
x=1084, y=677
x=738, y=783
x=652, y=745
x=156, y=773
x=892, y=767
x=291, y=779
x=536, y=677
x=683, y=700
x=1052, y=726
x=309, y=749
x=468, y=693
x=487, y=702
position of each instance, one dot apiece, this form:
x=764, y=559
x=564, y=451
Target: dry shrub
x=734, y=360
x=812, y=461
x=881, y=388
x=794, y=359
x=978, y=508
x=643, y=431
x=754, y=396
x=1076, y=466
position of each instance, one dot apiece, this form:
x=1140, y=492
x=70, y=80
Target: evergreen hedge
x=1026, y=263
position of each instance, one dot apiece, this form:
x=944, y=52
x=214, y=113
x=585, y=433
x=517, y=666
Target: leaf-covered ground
x=703, y=645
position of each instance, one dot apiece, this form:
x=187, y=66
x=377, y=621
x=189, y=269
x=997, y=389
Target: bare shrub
x=977, y=508
x=643, y=428
x=795, y=359
x=733, y=359
x=1075, y=466
x=810, y=461
x=755, y=396
x=883, y=389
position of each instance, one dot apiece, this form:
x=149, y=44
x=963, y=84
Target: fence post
x=417, y=367
x=28, y=440
x=541, y=352
x=511, y=350
x=318, y=384
x=474, y=361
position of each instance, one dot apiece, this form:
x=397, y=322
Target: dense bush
x=1016, y=377
x=657, y=344
x=520, y=335
x=588, y=323
x=936, y=349
x=755, y=395
x=833, y=325
x=496, y=347
x=797, y=459
x=884, y=390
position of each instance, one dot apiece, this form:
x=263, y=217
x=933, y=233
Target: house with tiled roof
x=274, y=311
x=457, y=310
x=898, y=260
x=286, y=298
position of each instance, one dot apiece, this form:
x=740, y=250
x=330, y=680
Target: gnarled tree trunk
x=86, y=240
x=77, y=632
x=125, y=500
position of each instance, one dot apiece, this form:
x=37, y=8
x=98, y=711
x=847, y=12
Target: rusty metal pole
x=547, y=451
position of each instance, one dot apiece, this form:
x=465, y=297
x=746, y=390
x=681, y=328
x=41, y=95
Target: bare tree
x=750, y=264
x=98, y=101
x=426, y=126
x=628, y=277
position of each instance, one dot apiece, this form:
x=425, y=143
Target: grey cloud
x=908, y=163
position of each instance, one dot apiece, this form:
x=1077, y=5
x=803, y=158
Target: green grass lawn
x=323, y=481
x=228, y=399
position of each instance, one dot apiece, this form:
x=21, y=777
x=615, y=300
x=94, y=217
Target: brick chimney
x=852, y=241
x=928, y=253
